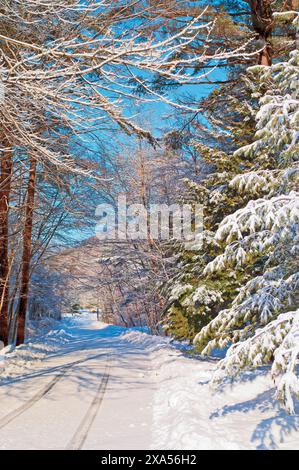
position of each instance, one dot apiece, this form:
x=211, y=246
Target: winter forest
x=164, y=104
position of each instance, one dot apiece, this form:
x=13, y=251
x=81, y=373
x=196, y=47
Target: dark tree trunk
x=262, y=22
x=26, y=256
x=5, y=183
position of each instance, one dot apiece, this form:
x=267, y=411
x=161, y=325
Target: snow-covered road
x=88, y=385
x=94, y=392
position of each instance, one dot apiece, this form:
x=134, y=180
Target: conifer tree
x=260, y=242
x=231, y=124
x=241, y=285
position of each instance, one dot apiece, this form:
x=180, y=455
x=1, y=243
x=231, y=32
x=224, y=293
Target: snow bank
x=189, y=414
x=44, y=337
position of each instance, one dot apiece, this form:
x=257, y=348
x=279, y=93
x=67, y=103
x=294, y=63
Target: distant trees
x=132, y=269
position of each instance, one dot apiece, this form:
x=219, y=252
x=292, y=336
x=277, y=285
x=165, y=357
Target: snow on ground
x=189, y=414
x=54, y=333
x=158, y=395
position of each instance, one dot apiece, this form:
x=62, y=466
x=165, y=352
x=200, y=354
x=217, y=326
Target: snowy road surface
x=94, y=392
x=103, y=387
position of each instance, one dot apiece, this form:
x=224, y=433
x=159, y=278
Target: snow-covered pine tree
x=261, y=324
x=230, y=112
x=192, y=300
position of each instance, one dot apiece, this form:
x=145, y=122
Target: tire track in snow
x=80, y=436
x=38, y=396
x=42, y=392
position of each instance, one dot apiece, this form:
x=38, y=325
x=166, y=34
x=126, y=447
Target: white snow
x=156, y=396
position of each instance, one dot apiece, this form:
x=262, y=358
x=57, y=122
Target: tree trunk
x=26, y=256
x=5, y=183
x=262, y=22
